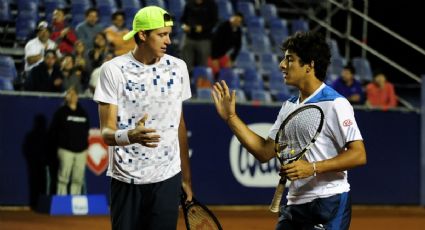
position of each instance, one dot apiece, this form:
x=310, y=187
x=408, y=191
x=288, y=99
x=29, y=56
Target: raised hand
x=224, y=101
x=142, y=135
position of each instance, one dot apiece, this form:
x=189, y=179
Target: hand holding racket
x=198, y=216
x=295, y=136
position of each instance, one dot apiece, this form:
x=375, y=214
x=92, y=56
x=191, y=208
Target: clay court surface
x=231, y=218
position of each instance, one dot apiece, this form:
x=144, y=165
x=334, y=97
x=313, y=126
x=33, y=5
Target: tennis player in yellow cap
x=140, y=97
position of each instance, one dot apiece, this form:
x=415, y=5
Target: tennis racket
x=295, y=136
x=197, y=216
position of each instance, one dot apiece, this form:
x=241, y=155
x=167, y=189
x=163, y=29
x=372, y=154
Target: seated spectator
x=35, y=48
x=115, y=32
x=81, y=55
x=46, y=76
x=99, y=51
x=380, y=93
x=349, y=87
x=87, y=29
x=62, y=34
x=227, y=37
x=71, y=75
x=94, y=78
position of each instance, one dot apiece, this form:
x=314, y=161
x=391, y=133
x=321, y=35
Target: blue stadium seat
x=268, y=12
x=105, y=13
x=129, y=13
x=260, y=43
x=77, y=18
x=110, y=3
x=282, y=96
x=278, y=32
x=130, y=4
x=25, y=25
x=251, y=74
x=225, y=10
x=245, y=59
x=6, y=84
x=7, y=67
x=261, y=96
x=28, y=5
x=160, y=3
x=240, y=95
x=202, y=73
x=336, y=65
x=268, y=62
x=5, y=14
x=176, y=7
x=363, y=69
x=299, y=25
x=246, y=8
x=203, y=93
x=230, y=77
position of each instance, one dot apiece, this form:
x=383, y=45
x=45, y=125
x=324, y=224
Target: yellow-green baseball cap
x=149, y=18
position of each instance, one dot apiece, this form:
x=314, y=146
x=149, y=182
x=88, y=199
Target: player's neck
x=308, y=88
x=144, y=56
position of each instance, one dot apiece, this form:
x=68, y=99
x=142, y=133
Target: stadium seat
x=7, y=68
x=131, y=4
x=5, y=14
x=246, y=8
x=363, y=69
x=203, y=93
x=261, y=96
x=336, y=65
x=129, y=13
x=278, y=32
x=25, y=25
x=230, y=77
x=245, y=59
x=268, y=12
x=260, y=43
x=6, y=84
x=299, y=25
x=159, y=3
x=251, y=74
x=268, y=62
x=240, y=95
x=105, y=13
x=225, y=10
x=202, y=77
x=176, y=7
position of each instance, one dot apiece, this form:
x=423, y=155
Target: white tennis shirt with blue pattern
x=157, y=90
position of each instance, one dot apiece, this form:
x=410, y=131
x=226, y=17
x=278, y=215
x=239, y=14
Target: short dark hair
x=310, y=46
x=350, y=67
x=118, y=13
x=89, y=10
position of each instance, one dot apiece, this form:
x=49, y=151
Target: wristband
x=121, y=137
x=314, y=169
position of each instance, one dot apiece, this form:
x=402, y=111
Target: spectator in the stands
x=81, y=55
x=99, y=50
x=380, y=93
x=226, y=37
x=94, y=77
x=71, y=75
x=35, y=48
x=62, y=34
x=116, y=31
x=349, y=87
x=198, y=20
x=46, y=76
x=87, y=29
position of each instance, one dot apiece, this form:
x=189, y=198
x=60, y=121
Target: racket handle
x=275, y=205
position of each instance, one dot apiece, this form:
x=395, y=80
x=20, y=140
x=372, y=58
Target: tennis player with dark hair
x=318, y=196
x=140, y=96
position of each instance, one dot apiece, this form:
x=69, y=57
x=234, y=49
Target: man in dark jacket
x=227, y=37
x=46, y=76
x=198, y=20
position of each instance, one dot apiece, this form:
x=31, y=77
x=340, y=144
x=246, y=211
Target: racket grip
x=275, y=205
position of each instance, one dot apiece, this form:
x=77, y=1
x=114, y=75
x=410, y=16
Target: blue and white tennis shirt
x=137, y=89
x=339, y=128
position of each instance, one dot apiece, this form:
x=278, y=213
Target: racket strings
x=200, y=219
x=298, y=132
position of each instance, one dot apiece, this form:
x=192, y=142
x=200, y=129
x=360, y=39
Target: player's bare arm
x=140, y=134
x=185, y=162
x=225, y=103
x=353, y=156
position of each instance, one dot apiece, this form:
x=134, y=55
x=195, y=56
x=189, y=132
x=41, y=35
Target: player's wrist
x=122, y=137
x=230, y=118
